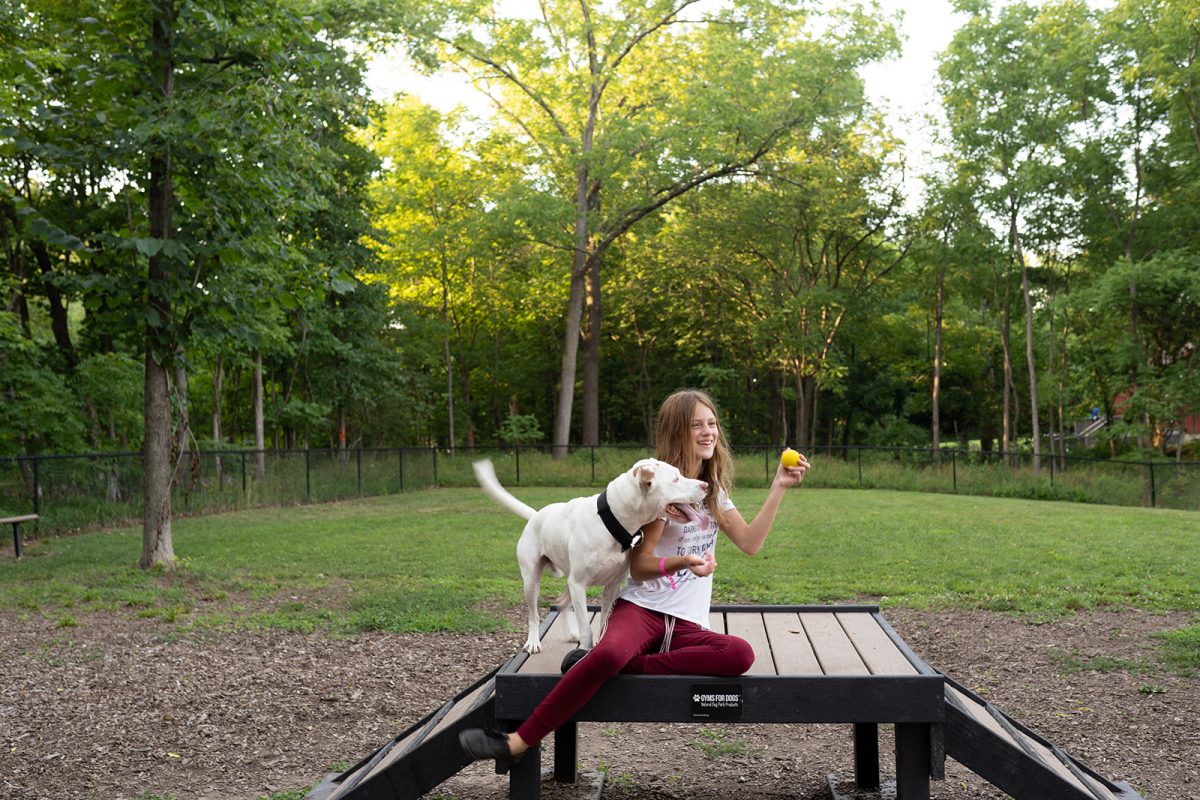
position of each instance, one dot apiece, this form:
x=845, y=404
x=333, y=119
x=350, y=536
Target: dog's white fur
x=570, y=539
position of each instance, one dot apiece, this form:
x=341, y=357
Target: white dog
x=588, y=539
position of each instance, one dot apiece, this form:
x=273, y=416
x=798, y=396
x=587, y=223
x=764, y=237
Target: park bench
x=813, y=664
x=16, y=526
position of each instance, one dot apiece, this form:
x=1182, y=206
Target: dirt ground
x=121, y=707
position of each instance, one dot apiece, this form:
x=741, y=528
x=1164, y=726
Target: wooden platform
x=829, y=664
x=838, y=664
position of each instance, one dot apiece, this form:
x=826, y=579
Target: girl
x=659, y=625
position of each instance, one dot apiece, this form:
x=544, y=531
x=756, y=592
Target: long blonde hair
x=674, y=444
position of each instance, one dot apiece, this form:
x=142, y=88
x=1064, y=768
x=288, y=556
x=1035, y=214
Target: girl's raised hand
x=787, y=477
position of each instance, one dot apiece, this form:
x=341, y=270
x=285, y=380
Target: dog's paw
x=532, y=646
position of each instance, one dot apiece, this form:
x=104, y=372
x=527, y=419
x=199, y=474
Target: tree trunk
x=590, y=436
x=260, y=428
x=1029, y=354
x=183, y=433
x=804, y=406
x=447, y=355
x=157, y=545
x=57, y=306
x=218, y=379
x=580, y=263
x=1006, y=431
x=935, y=400
x=778, y=426
x=813, y=416
x=579, y=267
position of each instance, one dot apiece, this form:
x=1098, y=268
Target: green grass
x=717, y=743
x=444, y=560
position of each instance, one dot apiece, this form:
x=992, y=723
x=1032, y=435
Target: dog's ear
x=645, y=476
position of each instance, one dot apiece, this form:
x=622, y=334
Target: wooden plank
x=456, y=713
x=554, y=647
x=749, y=626
x=18, y=519
x=980, y=714
x=832, y=646
x=790, y=645
x=877, y=650
x=1050, y=759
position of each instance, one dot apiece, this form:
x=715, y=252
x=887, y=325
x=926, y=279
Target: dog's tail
x=485, y=473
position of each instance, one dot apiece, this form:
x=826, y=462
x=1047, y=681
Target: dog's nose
x=703, y=486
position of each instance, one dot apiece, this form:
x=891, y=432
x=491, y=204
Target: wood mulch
x=124, y=707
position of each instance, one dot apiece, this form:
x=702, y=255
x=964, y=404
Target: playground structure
x=814, y=664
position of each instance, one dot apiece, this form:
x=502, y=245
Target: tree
x=625, y=109
x=799, y=248
x=195, y=140
x=1013, y=83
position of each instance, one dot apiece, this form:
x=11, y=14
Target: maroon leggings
x=630, y=645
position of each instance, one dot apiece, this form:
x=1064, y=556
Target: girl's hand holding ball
x=792, y=467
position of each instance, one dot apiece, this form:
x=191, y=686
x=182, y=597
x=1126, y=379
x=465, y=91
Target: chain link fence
x=73, y=493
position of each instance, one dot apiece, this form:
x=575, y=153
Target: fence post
x=593, y=465
x=243, y=454
x=1153, y=488
x=517, y=451
x=307, y=478
x=401, y=469
x=435, y=452
x=954, y=469
x=859, y=451
x=359, y=453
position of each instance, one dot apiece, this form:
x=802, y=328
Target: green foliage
x=40, y=412
x=892, y=431
x=521, y=429
x=110, y=385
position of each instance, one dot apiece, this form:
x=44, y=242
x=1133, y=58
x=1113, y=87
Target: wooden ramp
x=1016, y=760
x=420, y=758
x=827, y=664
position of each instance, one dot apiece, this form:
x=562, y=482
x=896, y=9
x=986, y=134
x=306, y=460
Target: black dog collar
x=622, y=536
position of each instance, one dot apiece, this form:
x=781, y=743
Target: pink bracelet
x=662, y=567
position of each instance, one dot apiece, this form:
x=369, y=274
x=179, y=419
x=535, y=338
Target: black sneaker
x=572, y=658
x=481, y=743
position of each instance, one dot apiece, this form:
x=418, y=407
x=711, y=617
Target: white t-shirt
x=692, y=596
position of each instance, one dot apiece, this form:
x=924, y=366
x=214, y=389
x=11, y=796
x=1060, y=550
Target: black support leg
x=866, y=755
x=912, y=761
x=566, y=749
x=525, y=777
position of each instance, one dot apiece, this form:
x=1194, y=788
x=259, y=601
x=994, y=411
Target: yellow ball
x=790, y=458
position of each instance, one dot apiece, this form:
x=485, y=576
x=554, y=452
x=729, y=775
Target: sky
x=903, y=88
